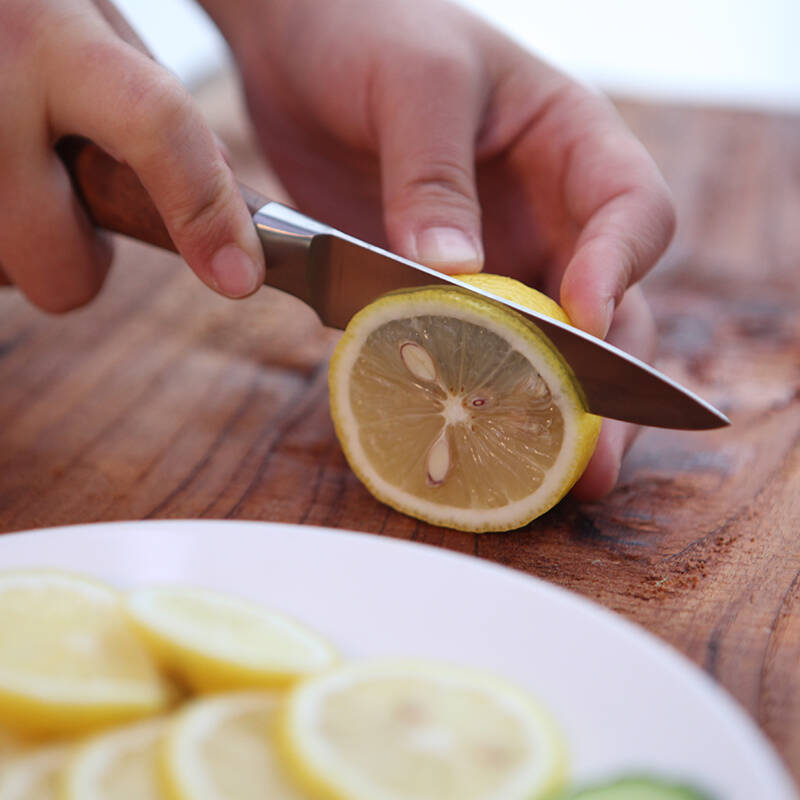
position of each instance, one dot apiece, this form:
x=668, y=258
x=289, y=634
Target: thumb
x=427, y=127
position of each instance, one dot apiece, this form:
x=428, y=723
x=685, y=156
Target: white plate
x=625, y=700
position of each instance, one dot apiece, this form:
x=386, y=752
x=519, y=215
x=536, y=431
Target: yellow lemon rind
x=45, y=707
x=192, y=663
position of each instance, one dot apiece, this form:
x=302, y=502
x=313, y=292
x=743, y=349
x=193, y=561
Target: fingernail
x=234, y=272
x=448, y=247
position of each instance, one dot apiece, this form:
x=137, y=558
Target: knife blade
x=337, y=275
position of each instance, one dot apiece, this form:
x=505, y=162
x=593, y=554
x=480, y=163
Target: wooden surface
x=162, y=400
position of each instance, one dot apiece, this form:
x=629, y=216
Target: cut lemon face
x=458, y=411
x=69, y=657
x=120, y=765
x=221, y=749
x=35, y=775
x=416, y=731
x=215, y=641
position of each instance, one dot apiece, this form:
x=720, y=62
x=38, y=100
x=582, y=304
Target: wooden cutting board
x=163, y=400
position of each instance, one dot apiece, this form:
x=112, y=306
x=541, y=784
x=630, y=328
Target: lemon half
x=458, y=411
x=398, y=730
x=69, y=658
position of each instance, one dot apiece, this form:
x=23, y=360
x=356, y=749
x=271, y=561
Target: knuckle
x=157, y=108
x=439, y=181
x=196, y=216
x=158, y=104
x=443, y=64
x=666, y=212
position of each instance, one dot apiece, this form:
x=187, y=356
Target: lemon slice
x=221, y=748
x=120, y=765
x=459, y=411
x=11, y=745
x=35, y=775
x=69, y=658
x=216, y=641
x=394, y=730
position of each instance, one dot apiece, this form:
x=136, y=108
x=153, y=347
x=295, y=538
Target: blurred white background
x=733, y=52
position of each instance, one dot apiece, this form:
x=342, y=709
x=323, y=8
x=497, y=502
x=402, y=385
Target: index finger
x=142, y=116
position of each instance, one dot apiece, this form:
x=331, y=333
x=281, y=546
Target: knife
x=337, y=275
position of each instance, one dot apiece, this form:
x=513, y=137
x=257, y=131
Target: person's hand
x=64, y=69
x=412, y=124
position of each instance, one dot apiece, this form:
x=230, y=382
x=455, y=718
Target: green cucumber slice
x=638, y=788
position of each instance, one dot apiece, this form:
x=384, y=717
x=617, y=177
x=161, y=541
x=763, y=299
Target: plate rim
x=668, y=655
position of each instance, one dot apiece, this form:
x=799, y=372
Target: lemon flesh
x=221, y=749
x=35, y=775
x=69, y=658
x=458, y=411
x=120, y=765
x=417, y=731
x=215, y=641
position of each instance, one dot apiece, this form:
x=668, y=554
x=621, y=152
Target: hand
x=64, y=69
x=414, y=125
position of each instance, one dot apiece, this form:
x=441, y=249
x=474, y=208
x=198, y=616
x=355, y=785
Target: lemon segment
x=120, y=765
x=221, y=748
x=69, y=658
x=34, y=775
x=458, y=411
x=216, y=642
x=397, y=730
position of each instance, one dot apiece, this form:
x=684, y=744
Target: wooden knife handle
x=114, y=196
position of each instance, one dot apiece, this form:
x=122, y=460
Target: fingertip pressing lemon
x=69, y=658
x=34, y=775
x=216, y=642
x=119, y=765
x=397, y=730
x=221, y=748
x=458, y=411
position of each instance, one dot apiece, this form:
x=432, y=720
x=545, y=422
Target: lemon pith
x=458, y=411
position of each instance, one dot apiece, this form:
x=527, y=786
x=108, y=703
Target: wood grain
x=162, y=400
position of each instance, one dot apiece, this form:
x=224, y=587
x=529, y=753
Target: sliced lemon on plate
x=11, y=745
x=216, y=641
x=397, y=730
x=34, y=775
x=458, y=411
x=221, y=748
x=69, y=657
x=119, y=765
